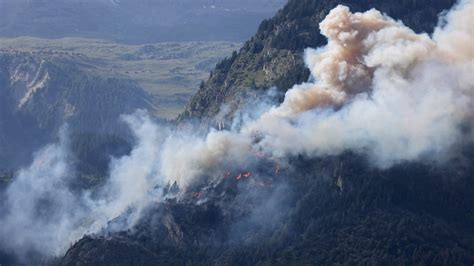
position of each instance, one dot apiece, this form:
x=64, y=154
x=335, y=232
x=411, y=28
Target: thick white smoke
x=380, y=89
x=43, y=215
x=134, y=179
x=41, y=211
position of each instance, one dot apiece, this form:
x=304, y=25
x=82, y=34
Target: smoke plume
x=380, y=89
x=41, y=212
x=43, y=215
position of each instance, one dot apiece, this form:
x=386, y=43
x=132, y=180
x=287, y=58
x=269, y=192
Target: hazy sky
x=136, y=21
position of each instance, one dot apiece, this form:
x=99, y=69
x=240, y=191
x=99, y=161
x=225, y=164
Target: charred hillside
x=273, y=57
x=247, y=202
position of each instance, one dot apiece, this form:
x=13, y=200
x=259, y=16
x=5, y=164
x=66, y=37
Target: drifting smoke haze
x=39, y=216
x=43, y=215
x=379, y=89
x=133, y=178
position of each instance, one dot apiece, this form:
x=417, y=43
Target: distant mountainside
x=142, y=21
x=39, y=94
x=327, y=210
x=169, y=71
x=274, y=56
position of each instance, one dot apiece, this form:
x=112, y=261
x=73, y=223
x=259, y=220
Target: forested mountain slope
x=319, y=212
x=40, y=94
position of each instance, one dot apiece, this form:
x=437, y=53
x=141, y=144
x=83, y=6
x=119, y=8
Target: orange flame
x=242, y=175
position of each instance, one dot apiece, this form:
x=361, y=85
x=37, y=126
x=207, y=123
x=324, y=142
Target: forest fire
x=243, y=175
x=247, y=174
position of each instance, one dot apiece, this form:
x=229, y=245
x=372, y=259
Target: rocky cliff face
x=274, y=56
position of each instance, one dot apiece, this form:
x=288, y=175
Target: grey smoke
x=379, y=89
x=43, y=215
